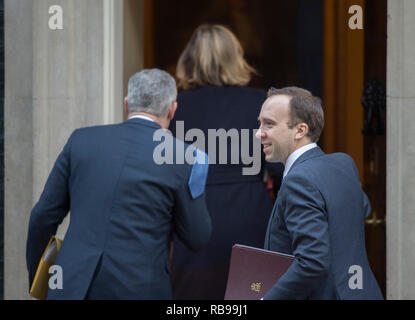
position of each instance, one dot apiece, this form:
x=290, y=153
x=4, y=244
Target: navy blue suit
x=238, y=204
x=124, y=208
x=319, y=218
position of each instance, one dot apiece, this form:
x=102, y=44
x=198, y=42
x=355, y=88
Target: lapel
x=310, y=154
x=271, y=218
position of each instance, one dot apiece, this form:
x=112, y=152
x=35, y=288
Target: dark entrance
x=282, y=39
x=306, y=43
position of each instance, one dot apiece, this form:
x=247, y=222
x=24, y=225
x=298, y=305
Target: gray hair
x=151, y=91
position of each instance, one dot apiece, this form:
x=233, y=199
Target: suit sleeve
x=306, y=221
x=367, y=209
x=192, y=220
x=49, y=211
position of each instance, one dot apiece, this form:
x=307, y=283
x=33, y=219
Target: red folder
x=253, y=271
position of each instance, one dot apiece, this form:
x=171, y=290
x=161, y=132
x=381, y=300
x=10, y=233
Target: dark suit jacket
x=319, y=217
x=123, y=207
x=238, y=204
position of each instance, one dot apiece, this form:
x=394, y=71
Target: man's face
x=276, y=137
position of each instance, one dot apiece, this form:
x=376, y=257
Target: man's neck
x=156, y=119
x=301, y=144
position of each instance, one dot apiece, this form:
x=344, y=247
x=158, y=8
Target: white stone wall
x=18, y=148
x=56, y=81
x=400, y=215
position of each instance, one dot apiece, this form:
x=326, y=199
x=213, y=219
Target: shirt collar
x=295, y=155
x=139, y=116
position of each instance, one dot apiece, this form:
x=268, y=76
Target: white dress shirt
x=295, y=155
x=139, y=116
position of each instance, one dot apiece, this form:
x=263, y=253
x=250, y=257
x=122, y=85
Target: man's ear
x=126, y=106
x=172, y=111
x=302, y=130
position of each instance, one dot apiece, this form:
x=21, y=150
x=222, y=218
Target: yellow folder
x=40, y=285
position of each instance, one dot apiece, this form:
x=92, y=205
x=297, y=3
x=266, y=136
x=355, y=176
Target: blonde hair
x=213, y=56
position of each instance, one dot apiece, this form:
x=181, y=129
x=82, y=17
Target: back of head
x=151, y=91
x=304, y=107
x=213, y=56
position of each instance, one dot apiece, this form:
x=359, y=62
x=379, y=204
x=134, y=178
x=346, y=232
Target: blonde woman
x=213, y=73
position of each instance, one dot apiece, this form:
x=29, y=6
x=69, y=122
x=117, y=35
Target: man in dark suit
x=320, y=210
x=124, y=206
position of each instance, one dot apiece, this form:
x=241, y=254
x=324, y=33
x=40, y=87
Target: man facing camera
x=320, y=210
x=124, y=207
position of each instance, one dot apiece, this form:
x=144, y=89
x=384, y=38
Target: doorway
x=276, y=36
x=306, y=43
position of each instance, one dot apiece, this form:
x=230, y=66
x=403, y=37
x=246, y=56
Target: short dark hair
x=304, y=107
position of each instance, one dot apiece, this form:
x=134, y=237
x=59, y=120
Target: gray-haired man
x=124, y=207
